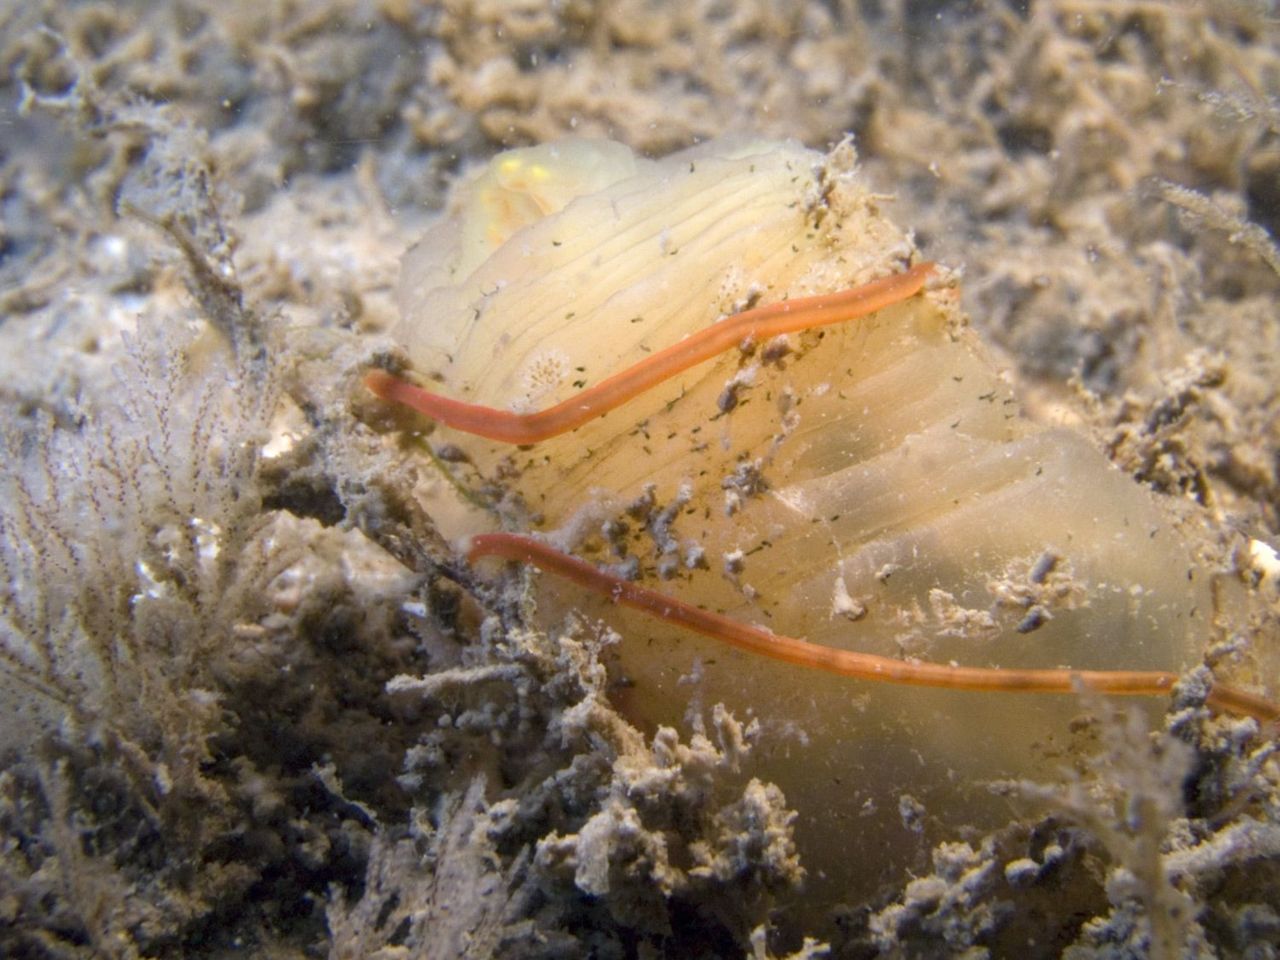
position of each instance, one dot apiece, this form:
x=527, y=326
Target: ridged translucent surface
x=873, y=487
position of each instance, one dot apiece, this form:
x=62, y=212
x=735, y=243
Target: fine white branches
x=127, y=537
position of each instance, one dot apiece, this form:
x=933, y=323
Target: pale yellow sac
x=873, y=485
x=614, y=272
x=514, y=191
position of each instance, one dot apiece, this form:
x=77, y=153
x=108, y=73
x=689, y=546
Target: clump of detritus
x=443, y=891
x=1164, y=844
x=1150, y=440
x=633, y=854
x=599, y=834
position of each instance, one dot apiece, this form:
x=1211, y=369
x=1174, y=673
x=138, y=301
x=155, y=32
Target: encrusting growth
x=774, y=320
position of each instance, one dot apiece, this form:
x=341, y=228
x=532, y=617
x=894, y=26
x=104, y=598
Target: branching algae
x=840, y=481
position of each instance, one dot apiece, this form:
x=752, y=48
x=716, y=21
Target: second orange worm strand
x=849, y=663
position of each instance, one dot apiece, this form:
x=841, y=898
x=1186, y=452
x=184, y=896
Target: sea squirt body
x=872, y=486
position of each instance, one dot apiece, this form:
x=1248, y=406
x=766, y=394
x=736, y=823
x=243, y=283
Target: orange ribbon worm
x=849, y=663
x=788, y=316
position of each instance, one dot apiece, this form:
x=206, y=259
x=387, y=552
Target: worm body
x=867, y=486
